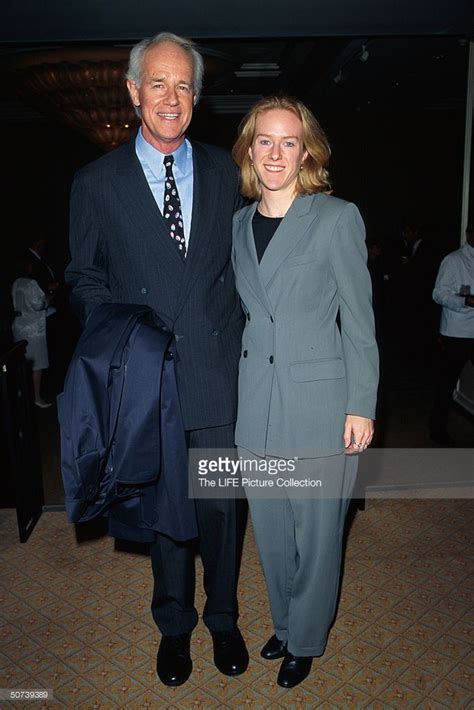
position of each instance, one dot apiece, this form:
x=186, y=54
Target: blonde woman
x=309, y=365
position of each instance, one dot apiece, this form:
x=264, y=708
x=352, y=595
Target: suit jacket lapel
x=204, y=213
x=136, y=196
x=247, y=261
x=288, y=235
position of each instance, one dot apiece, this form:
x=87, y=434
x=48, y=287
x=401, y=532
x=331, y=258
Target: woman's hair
x=313, y=177
x=135, y=66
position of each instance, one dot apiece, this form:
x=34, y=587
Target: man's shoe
x=293, y=670
x=173, y=662
x=273, y=649
x=230, y=653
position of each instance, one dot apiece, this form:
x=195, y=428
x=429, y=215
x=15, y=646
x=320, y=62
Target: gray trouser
x=300, y=546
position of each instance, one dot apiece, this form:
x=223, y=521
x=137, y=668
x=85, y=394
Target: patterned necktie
x=172, y=207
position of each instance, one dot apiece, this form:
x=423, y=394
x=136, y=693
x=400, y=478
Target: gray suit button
x=270, y=359
x=144, y=291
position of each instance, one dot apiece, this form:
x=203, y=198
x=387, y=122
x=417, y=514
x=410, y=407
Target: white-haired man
x=151, y=224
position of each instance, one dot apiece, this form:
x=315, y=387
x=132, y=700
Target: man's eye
x=183, y=87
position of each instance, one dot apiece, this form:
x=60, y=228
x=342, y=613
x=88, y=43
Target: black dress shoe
x=273, y=649
x=293, y=670
x=173, y=662
x=230, y=653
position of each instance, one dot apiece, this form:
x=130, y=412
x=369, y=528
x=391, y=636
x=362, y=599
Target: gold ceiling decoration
x=84, y=88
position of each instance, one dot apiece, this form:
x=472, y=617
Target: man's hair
x=314, y=176
x=137, y=54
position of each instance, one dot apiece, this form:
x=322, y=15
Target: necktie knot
x=168, y=161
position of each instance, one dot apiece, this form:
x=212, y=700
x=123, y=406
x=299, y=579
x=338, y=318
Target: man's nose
x=171, y=96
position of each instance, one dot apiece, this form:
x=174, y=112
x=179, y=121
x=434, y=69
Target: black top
x=263, y=230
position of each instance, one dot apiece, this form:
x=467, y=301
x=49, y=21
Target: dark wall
x=390, y=164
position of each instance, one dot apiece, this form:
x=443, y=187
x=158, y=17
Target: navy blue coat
x=123, y=447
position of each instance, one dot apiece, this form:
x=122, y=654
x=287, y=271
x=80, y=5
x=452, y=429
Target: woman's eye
x=289, y=144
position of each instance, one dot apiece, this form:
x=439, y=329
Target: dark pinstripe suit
x=121, y=252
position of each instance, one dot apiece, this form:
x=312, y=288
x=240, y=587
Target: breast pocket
x=307, y=258
x=323, y=369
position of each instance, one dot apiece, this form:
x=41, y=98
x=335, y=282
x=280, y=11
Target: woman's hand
x=358, y=433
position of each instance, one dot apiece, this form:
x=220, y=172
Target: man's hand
x=358, y=433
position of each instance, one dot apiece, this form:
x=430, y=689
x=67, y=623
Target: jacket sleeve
x=87, y=271
x=349, y=262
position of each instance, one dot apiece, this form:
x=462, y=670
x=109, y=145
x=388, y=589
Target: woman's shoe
x=273, y=649
x=293, y=670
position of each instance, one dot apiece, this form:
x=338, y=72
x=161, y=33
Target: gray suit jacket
x=299, y=374
x=122, y=253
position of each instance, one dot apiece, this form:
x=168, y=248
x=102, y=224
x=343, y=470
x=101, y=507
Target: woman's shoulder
x=331, y=203
x=21, y=283
x=245, y=212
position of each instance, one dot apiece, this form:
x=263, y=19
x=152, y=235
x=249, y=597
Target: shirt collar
x=154, y=157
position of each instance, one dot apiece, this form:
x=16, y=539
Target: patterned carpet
x=75, y=619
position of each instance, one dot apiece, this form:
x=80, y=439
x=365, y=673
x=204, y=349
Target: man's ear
x=133, y=91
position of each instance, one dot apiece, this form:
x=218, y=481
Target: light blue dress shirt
x=151, y=160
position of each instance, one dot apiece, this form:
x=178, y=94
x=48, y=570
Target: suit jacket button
x=144, y=291
x=215, y=332
x=245, y=353
x=168, y=355
x=270, y=359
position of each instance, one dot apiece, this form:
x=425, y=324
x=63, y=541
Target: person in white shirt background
x=30, y=304
x=454, y=291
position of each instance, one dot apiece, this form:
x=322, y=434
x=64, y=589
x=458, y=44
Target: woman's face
x=277, y=150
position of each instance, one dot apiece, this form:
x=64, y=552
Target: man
x=151, y=224
x=454, y=291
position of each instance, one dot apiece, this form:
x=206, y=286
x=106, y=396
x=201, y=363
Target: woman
x=30, y=304
x=307, y=378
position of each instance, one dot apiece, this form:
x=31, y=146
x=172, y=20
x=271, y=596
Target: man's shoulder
x=213, y=154
x=453, y=257
x=108, y=162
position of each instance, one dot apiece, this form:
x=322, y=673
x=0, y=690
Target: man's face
x=165, y=95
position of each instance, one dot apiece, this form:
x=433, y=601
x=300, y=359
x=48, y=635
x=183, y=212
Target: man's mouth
x=169, y=116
